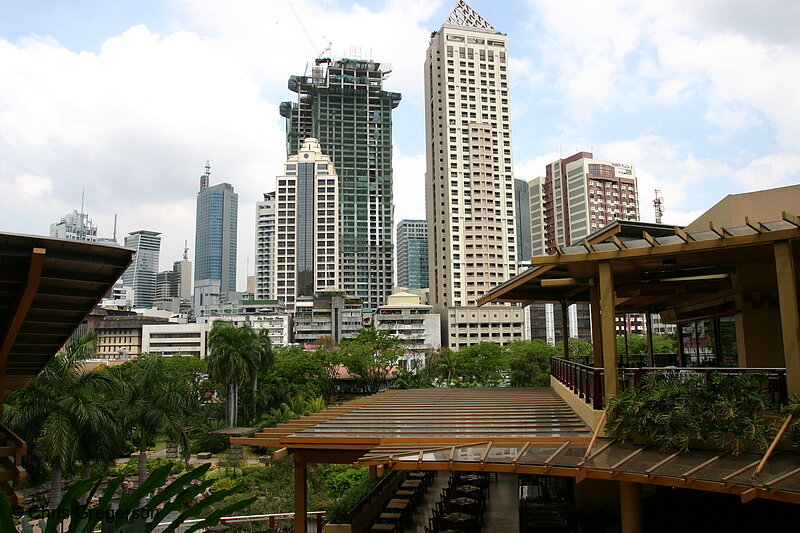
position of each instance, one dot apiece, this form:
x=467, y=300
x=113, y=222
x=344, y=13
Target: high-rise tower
x=141, y=275
x=307, y=244
x=470, y=178
x=412, y=254
x=265, y=248
x=343, y=105
x=215, y=241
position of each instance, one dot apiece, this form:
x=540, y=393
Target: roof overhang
x=651, y=273
x=47, y=287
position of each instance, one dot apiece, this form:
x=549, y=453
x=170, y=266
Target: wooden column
x=300, y=500
x=597, y=324
x=607, y=314
x=373, y=472
x=565, y=328
x=790, y=321
x=630, y=507
x=648, y=324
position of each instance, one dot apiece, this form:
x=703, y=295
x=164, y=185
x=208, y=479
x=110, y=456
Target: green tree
x=637, y=345
x=446, y=364
x=481, y=364
x=154, y=403
x=529, y=363
x=372, y=356
x=578, y=348
x=297, y=371
x=236, y=355
x=62, y=408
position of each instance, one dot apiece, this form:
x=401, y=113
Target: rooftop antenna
x=658, y=205
x=205, y=178
x=185, y=250
x=115, y=227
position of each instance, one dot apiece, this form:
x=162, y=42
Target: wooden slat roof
x=431, y=416
x=59, y=281
x=651, y=273
x=708, y=470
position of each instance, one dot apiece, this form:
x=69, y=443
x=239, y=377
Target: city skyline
x=163, y=87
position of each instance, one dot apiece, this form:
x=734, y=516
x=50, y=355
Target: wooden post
x=565, y=328
x=790, y=319
x=630, y=507
x=597, y=327
x=651, y=362
x=607, y=314
x=373, y=472
x=300, y=503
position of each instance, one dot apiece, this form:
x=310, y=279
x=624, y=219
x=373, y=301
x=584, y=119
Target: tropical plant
x=62, y=411
x=138, y=512
x=732, y=412
x=236, y=355
x=481, y=364
x=154, y=403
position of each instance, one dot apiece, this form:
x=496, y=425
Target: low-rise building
x=120, y=337
x=415, y=324
x=327, y=314
x=257, y=314
x=176, y=339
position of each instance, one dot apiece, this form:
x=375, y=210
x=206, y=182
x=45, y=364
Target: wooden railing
x=587, y=381
x=12, y=449
x=584, y=380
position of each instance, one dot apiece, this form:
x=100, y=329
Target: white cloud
x=409, y=185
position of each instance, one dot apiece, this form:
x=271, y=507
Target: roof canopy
x=650, y=273
x=47, y=287
x=431, y=416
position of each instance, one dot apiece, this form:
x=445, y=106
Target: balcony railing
x=584, y=380
x=587, y=381
x=12, y=448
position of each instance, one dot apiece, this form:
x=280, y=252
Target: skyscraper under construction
x=342, y=104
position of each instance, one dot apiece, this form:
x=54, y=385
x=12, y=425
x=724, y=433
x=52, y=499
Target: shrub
x=338, y=511
x=731, y=412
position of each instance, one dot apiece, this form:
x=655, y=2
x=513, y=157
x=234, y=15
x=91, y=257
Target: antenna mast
x=185, y=250
x=658, y=205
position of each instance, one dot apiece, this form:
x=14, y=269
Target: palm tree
x=61, y=407
x=236, y=355
x=154, y=403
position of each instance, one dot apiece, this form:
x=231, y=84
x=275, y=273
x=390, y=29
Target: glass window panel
x=636, y=243
x=684, y=462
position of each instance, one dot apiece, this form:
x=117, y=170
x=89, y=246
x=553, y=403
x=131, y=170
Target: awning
x=713, y=471
x=650, y=273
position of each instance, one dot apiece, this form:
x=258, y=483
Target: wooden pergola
x=653, y=274
x=419, y=417
x=510, y=430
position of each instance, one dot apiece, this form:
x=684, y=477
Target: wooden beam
x=561, y=282
x=608, y=324
x=300, y=499
x=23, y=305
x=790, y=318
x=775, y=441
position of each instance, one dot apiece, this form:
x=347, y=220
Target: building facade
x=174, y=287
x=307, y=253
x=264, y=280
x=522, y=214
x=343, y=105
x=327, y=314
x=578, y=196
x=416, y=325
x=120, y=337
x=412, y=254
x=175, y=340
x=75, y=226
x=469, y=179
x=267, y=315
x=141, y=275
x=215, y=240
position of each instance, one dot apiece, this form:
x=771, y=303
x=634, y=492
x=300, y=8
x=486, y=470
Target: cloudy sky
x=128, y=99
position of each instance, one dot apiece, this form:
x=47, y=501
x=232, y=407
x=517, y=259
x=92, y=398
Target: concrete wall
x=763, y=206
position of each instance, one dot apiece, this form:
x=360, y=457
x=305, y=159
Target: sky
x=125, y=101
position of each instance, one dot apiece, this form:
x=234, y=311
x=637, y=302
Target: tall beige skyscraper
x=307, y=258
x=469, y=183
